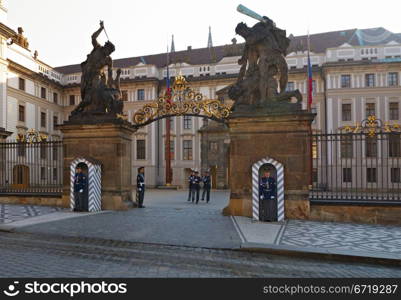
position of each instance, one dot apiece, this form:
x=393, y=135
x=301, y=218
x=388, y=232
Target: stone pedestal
x=283, y=137
x=4, y=134
x=111, y=145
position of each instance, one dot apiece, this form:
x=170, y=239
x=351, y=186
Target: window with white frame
x=140, y=149
x=370, y=109
x=187, y=122
x=394, y=111
x=392, y=79
x=187, y=149
x=345, y=81
x=346, y=111
x=290, y=86
x=370, y=80
x=140, y=94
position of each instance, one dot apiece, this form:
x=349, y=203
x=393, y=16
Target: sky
x=61, y=29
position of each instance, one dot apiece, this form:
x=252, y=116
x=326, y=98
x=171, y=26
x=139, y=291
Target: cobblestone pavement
x=26, y=255
x=342, y=236
x=167, y=219
x=10, y=213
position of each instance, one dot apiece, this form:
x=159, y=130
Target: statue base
x=273, y=107
x=94, y=117
x=282, y=136
x=109, y=143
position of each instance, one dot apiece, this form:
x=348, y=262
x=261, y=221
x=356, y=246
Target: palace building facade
x=356, y=73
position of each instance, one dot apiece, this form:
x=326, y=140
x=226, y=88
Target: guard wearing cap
x=140, y=187
x=80, y=183
x=268, y=194
x=206, y=187
x=190, y=179
x=196, y=180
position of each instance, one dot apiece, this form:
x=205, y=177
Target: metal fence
x=31, y=168
x=357, y=167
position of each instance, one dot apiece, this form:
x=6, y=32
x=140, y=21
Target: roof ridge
x=203, y=55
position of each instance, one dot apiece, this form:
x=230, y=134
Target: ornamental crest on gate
x=372, y=126
x=181, y=100
x=31, y=136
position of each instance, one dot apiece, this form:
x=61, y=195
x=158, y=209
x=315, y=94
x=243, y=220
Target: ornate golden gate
x=182, y=101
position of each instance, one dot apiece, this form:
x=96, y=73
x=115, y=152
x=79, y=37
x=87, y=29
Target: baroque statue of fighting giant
x=263, y=75
x=101, y=95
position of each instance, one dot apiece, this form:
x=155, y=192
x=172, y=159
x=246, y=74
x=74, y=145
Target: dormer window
x=125, y=72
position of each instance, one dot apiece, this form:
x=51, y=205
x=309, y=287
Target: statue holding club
x=263, y=74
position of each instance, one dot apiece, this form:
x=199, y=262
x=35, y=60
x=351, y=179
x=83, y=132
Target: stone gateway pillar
x=110, y=144
x=97, y=129
x=283, y=137
x=268, y=122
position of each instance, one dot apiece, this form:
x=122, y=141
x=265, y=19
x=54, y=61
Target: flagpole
x=309, y=108
x=310, y=87
x=169, y=171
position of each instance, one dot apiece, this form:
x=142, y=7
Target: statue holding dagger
x=99, y=97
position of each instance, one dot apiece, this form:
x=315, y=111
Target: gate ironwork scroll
x=184, y=101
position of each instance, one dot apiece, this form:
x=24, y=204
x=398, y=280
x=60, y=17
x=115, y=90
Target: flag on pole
x=169, y=171
x=310, y=78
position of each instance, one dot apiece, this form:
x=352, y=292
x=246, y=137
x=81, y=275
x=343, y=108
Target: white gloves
x=81, y=190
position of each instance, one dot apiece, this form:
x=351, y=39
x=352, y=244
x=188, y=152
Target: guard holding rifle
x=268, y=201
x=206, y=187
x=140, y=187
x=195, y=187
x=190, y=179
x=80, y=183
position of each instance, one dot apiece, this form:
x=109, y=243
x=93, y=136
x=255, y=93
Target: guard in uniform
x=206, y=187
x=140, y=187
x=268, y=198
x=190, y=179
x=80, y=182
x=196, y=187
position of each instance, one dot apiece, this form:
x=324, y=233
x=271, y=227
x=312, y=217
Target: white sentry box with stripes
x=280, y=187
x=94, y=183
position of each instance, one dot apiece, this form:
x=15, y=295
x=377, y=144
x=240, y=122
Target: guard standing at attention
x=206, y=187
x=267, y=192
x=80, y=183
x=196, y=187
x=190, y=179
x=140, y=187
